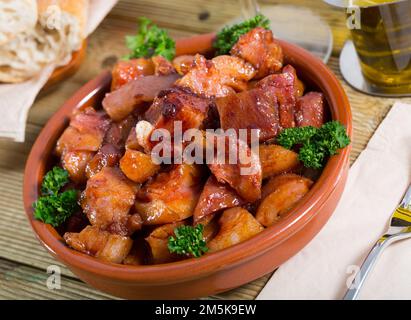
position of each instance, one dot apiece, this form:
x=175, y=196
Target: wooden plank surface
x=23, y=261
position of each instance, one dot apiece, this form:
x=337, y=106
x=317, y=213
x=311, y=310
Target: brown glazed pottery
x=216, y=272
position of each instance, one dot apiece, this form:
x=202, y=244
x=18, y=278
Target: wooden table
x=23, y=261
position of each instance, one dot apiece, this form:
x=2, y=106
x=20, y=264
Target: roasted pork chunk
x=253, y=109
x=85, y=132
x=183, y=63
x=171, y=196
x=285, y=87
x=107, y=200
x=233, y=71
x=107, y=156
x=310, y=110
x=217, y=77
x=259, y=48
x=138, y=166
x=243, y=175
x=127, y=70
x=158, y=242
x=162, y=67
x=215, y=197
x=101, y=244
x=236, y=225
x=119, y=131
x=204, y=79
x=276, y=159
x=286, y=192
x=122, y=102
x=75, y=162
x=179, y=107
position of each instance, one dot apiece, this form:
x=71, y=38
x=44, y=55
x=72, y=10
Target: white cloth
x=375, y=186
x=16, y=99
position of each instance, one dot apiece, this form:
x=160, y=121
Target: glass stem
x=249, y=8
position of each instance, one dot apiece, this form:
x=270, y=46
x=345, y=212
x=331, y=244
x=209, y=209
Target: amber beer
x=383, y=42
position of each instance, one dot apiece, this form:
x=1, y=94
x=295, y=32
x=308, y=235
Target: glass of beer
x=381, y=33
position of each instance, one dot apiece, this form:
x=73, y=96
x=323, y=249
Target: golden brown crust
x=77, y=8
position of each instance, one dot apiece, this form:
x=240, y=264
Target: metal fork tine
x=406, y=201
x=400, y=228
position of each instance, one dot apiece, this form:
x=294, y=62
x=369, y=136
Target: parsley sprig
x=188, y=241
x=229, y=35
x=53, y=207
x=316, y=143
x=54, y=180
x=150, y=41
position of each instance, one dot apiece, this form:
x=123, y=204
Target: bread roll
x=15, y=17
x=76, y=8
x=58, y=32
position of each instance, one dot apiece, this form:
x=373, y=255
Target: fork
x=399, y=229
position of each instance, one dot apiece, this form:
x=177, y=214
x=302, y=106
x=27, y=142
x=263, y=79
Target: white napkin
x=376, y=184
x=16, y=99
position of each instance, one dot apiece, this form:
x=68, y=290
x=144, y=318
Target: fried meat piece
x=130, y=97
x=119, y=131
x=100, y=244
x=158, y=242
x=171, y=196
x=174, y=107
x=215, y=197
x=125, y=71
x=183, y=64
x=162, y=67
x=286, y=192
x=234, y=72
x=107, y=200
x=138, y=166
x=276, y=159
x=236, y=226
x=107, y=156
x=76, y=162
x=85, y=132
x=253, y=109
x=310, y=110
x=259, y=48
x=242, y=172
x=204, y=79
x=286, y=88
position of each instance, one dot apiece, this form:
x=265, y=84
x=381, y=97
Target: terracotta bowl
x=212, y=273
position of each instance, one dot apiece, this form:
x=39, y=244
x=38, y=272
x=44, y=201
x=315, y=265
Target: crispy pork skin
x=286, y=192
x=125, y=71
x=85, y=132
x=107, y=200
x=100, y=244
x=236, y=225
x=253, y=109
x=310, y=110
x=214, y=198
x=259, y=48
x=171, y=196
x=122, y=102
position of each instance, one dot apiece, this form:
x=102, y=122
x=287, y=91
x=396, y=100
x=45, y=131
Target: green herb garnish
x=229, y=36
x=54, y=180
x=53, y=207
x=188, y=241
x=290, y=137
x=150, y=41
x=316, y=143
